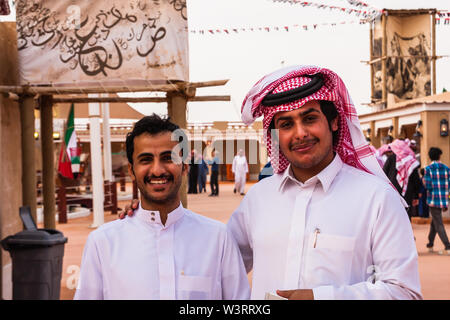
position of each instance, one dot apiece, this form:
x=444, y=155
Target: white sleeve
x=233, y=166
x=239, y=227
x=394, y=257
x=90, y=283
x=235, y=284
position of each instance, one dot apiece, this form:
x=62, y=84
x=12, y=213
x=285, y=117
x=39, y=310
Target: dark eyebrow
x=145, y=154
x=302, y=114
x=164, y=153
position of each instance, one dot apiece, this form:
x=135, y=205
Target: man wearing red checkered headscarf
x=327, y=224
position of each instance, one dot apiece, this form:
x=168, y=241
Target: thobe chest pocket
x=328, y=260
x=194, y=287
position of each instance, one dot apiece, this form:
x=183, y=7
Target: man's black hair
x=329, y=110
x=152, y=125
x=434, y=153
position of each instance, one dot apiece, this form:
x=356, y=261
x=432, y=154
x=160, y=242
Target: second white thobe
x=343, y=233
x=190, y=257
x=240, y=169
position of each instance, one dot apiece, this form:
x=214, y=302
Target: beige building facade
x=419, y=119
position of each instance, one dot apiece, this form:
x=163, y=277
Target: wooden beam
x=213, y=83
x=87, y=90
x=134, y=99
x=52, y=90
x=109, y=99
x=210, y=98
x=383, y=58
x=11, y=96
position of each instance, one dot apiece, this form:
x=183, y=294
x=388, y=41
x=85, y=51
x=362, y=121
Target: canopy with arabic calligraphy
x=86, y=42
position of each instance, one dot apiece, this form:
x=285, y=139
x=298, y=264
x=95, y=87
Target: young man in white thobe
x=240, y=169
x=327, y=224
x=164, y=251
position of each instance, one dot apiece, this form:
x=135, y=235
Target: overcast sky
x=245, y=57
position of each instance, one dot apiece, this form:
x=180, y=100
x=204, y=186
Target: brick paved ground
x=434, y=269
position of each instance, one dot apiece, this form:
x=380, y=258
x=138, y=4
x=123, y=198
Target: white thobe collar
x=325, y=177
x=154, y=218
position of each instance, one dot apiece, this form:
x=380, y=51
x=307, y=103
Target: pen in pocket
x=316, y=232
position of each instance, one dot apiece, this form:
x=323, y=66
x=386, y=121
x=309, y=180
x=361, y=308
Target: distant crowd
x=425, y=189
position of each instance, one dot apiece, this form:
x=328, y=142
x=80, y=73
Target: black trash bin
x=37, y=256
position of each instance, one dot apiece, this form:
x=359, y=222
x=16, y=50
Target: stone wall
x=10, y=155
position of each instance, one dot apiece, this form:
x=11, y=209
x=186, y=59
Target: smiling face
x=305, y=139
x=157, y=173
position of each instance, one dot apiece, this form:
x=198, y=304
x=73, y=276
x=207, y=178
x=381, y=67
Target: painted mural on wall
x=408, y=63
x=409, y=77
x=83, y=41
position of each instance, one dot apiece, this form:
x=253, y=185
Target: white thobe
x=190, y=257
x=343, y=233
x=240, y=169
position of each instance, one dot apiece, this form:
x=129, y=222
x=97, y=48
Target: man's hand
x=415, y=202
x=129, y=209
x=299, y=294
x=444, y=209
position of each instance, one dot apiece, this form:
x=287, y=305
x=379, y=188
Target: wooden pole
x=372, y=92
x=29, y=188
x=62, y=204
x=48, y=178
x=113, y=190
x=384, y=61
x=177, y=109
x=433, y=48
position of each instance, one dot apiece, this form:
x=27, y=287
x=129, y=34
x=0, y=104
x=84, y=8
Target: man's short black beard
x=170, y=198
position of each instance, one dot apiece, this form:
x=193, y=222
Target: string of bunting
x=270, y=28
x=371, y=13
x=442, y=18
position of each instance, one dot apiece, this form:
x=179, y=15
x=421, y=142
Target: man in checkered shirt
x=436, y=178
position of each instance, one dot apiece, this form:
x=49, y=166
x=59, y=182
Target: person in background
x=193, y=172
x=214, y=179
x=383, y=153
x=202, y=173
x=240, y=169
x=402, y=169
x=415, y=148
x=424, y=210
x=437, y=181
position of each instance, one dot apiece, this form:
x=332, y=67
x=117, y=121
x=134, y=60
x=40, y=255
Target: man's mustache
x=302, y=143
